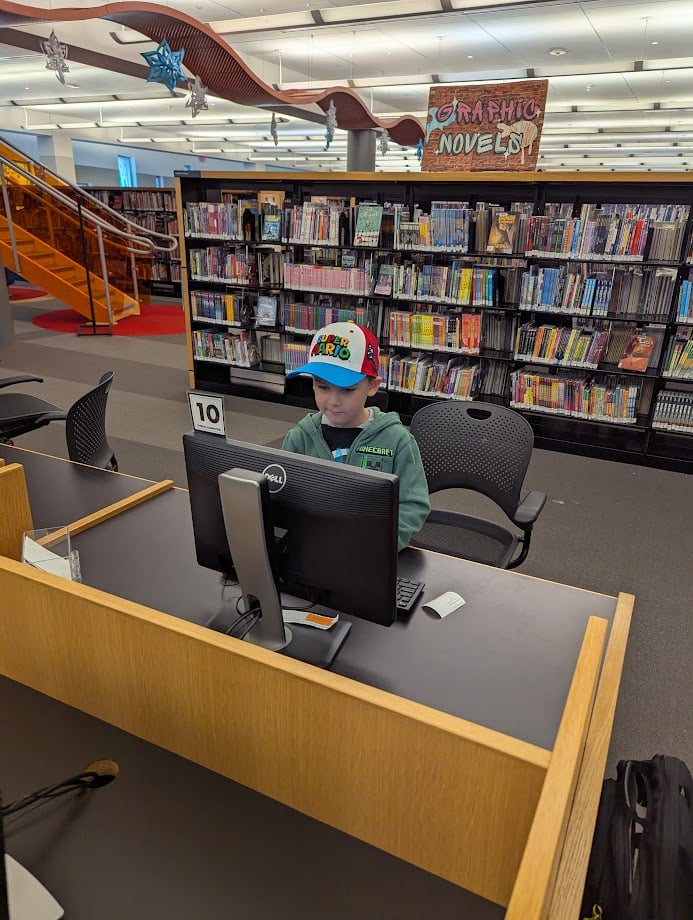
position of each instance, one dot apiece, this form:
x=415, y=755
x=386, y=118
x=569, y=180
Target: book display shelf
x=155, y=209
x=566, y=296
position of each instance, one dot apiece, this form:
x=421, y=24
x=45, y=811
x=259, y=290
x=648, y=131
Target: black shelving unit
x=634, y=439
x=155, y=209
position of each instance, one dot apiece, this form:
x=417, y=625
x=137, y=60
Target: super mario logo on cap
x=331, y=346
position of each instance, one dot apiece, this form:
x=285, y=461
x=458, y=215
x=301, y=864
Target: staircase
x=63, y=240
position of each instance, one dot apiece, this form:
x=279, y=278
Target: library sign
x=495, y=126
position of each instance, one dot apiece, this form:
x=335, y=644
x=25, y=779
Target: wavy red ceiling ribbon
x=218, y=66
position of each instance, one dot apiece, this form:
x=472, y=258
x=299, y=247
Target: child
x=343, y=362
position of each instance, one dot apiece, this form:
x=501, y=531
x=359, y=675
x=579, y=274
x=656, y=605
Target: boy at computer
x=343, y=362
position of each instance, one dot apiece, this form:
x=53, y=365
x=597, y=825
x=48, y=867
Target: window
x=127, y=171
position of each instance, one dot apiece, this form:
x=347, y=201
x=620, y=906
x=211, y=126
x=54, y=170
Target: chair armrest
x=529, y=509
x=22, y=378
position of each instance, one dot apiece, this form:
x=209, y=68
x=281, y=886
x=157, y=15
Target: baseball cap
x=341, y=354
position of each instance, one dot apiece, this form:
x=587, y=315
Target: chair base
x=467, y=537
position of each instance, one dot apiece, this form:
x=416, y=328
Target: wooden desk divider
x=568, y=887
x=15, y=516
x=104, y=514
x=452, y=797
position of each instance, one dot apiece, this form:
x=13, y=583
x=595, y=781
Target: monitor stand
x=246, y=506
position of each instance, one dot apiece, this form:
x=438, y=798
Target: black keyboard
x=408, y=593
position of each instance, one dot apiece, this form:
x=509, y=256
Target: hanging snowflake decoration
x=384, y=142
x=330, y=124
x=197, y=100
x=419, y=149
x=56, y=56
x=273, y=129
x=164, y=65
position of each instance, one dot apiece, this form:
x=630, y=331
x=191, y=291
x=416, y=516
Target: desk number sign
x=207, y=413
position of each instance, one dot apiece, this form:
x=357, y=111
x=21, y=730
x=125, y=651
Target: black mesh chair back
x=86, y=427
x=475, y=446
x=487, y=449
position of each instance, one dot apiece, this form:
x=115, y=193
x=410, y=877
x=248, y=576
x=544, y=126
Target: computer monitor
x=338, y=524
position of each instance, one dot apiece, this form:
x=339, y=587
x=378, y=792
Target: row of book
x=216, y=306
x=495, y=379
x=223, y=265
x=567, y=289
x=238, y=348
x=305, y=317
x=136, y=199
x=570, y=347
x=445, y=229
x=212, y=219
x=606, y=235
x=607, y=400
x=646, y=292
x=673, y=411
x=678, y=361
x=684, y=307
x=165, y=270
x=247, y=216
x=456, y=378
x=325, y=223
x=436, y=331
x=456, y=283
x=666, y=212
x=306, y=277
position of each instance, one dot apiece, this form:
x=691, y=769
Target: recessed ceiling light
x=557, y=52
x=470, y=57
x=654, y=43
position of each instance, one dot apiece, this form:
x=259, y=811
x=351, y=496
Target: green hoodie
x=384, y=445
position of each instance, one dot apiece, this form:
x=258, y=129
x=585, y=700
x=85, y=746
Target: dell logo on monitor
x=276, y=476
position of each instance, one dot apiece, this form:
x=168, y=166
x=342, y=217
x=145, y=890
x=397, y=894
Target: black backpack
x=641, y=864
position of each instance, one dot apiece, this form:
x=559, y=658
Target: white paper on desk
x=41, y=558
x=445, y=604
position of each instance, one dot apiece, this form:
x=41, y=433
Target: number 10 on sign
x=207, y=413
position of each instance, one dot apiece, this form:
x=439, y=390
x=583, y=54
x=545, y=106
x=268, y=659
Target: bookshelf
x=155, y=209
x=567, y=296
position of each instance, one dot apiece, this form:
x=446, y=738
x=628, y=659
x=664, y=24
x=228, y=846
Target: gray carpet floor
x=607, y=526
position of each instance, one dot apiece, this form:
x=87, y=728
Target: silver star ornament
x=384, y=142
x=197, y=100
x=330, y=123
x=56, y=56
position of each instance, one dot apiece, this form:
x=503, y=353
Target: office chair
x=85, y=428
x=484, y=448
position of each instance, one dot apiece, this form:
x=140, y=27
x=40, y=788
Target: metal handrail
x=132, y=242
x=148, y=244
x=171, y=240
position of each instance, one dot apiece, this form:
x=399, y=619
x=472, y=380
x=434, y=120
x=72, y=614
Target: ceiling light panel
x=622, y=27
x=380, y=10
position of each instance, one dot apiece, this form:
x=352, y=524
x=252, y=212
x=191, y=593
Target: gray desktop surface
x=505, y=660
x=169, y=839
x=60, y=491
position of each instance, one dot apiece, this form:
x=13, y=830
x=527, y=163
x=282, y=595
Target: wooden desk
x=488, y=768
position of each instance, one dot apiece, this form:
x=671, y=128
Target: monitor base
x=28, y=899
x=318, y=647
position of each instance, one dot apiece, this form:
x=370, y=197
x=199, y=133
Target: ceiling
x=620, y=76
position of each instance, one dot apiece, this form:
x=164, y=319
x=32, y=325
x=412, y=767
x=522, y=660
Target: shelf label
x=207, y=413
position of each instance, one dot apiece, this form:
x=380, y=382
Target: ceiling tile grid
x=616, y=69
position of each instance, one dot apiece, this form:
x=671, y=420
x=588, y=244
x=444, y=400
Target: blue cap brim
x=331, y=373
